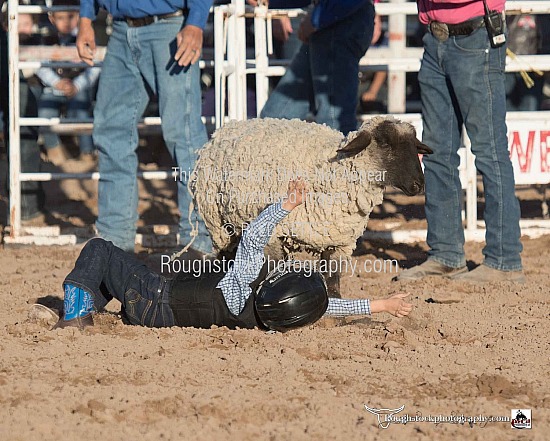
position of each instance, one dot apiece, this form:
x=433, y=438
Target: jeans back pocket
x=136, y=307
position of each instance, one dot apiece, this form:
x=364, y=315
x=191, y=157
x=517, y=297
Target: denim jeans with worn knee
x=136, y=57
x=323, y=77
x=462, y=83
x=108, y=272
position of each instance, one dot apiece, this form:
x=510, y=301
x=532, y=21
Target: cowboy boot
x=78, y=306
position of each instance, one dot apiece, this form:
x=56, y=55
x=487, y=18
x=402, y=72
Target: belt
x=442, y=31
x=149, y=19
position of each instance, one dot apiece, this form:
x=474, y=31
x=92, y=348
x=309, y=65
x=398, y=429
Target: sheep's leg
x=332, y=277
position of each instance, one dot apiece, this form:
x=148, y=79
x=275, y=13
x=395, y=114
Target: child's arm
x=48, y=76
x=377, y=82
x=344, y=307
x=87, y=78
x=249, y=259
x=395, y=305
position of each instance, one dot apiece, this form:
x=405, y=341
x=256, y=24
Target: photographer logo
x=521, y=419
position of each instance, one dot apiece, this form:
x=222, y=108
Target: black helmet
x=291, y=297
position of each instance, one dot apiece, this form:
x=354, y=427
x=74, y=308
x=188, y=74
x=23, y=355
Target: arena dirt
x=464, y=350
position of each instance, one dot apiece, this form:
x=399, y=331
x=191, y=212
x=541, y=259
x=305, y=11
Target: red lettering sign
x=524, y=158
x=544, y=151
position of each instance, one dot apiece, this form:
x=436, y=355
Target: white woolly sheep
x=247, y=165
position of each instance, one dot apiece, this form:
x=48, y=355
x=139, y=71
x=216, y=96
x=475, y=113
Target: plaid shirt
x=249, y=260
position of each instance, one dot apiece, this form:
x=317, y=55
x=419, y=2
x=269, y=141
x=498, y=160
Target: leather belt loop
x=164, y=289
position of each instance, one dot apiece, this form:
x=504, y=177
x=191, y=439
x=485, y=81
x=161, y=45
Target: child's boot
x=78, y=306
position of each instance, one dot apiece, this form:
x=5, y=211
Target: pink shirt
x=454, y=11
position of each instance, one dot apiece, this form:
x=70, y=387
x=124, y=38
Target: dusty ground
x=464, y=350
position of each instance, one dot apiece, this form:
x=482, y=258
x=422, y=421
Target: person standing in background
x=524, y=38
x=374, y=98
x=156, y=45
x=462, y=83
x=71, y=87
x=323, y=77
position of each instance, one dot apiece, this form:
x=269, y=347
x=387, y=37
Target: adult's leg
x=293, y=96
x=334, y=58
x=477, y=73
x=441, y=131
x=106, y=271
x=121, y=100
x=179, y=95
x=79, y=107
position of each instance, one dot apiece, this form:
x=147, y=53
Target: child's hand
x=395, y=305
x=296, y=194
x=62, y=85
x=66, y=87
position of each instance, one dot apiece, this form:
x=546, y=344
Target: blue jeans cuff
x=449, y=263
x=505, y=268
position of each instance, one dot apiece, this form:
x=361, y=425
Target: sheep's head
x=391, y=146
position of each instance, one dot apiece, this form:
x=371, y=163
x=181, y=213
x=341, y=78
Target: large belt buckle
x=439, y=30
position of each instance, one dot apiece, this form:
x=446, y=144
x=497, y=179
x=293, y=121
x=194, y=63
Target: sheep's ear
x=423, y=149
x=356, y=145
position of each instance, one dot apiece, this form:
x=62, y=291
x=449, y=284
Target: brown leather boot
x=430, y=268
x=484, y=274
x=79, y=322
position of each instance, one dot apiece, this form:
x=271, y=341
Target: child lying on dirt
x=246, y=296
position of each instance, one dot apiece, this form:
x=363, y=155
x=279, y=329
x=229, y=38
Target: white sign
x=529, y=145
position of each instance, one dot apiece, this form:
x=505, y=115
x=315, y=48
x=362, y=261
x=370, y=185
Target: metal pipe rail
x=88, y=123
x=64, y=57
x=397, y=59
x=94, y=176
x=40, y=9
x=231, y=65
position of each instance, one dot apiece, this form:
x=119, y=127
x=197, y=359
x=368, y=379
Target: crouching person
x=247, y=296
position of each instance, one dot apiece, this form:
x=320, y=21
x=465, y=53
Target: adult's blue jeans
x=137, y=57
x=462, y=83
x=323, y=77
x=107, y=272
x=78, y=107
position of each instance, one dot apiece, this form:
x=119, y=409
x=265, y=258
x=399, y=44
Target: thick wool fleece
x=247, y=165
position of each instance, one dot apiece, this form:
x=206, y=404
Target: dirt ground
x=465, y=350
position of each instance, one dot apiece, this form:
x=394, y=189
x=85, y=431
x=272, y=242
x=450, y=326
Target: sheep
x=247, y=164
